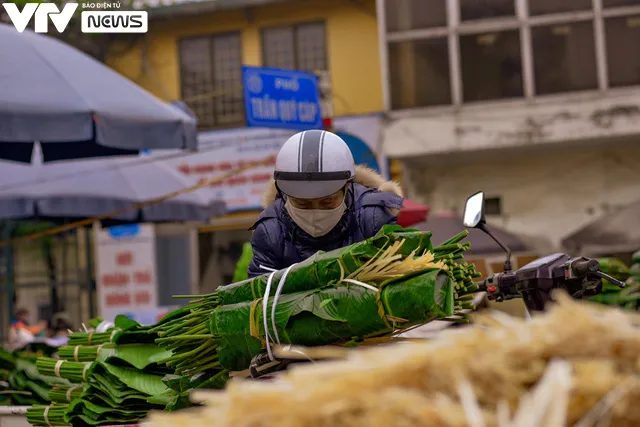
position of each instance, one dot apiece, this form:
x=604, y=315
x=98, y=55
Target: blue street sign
x=124, y=231
x=283, y=99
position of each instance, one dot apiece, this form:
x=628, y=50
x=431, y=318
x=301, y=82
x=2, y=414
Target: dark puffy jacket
x=278, y=242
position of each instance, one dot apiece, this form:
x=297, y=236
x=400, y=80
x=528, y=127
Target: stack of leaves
x=124, y=383
x=7, y=361
x=576, y=365
x=116, y=381
x=7, y=365
x=378, y=287
x=21, y=383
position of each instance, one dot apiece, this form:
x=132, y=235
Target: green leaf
x=151, y=385
x=123, y=322
x=326, y=302
x=138, y=356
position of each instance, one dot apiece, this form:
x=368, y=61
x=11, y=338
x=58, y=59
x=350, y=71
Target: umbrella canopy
x=90, y=188
x=618, y=231
x=412, y=213
x=77, y=107
x=445, y=225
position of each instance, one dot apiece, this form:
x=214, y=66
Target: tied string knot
x=46, y=416
x=84, y=371
x=56, y=369
x=71, y=390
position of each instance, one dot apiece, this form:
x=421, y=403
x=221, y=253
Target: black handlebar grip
x=583, y=266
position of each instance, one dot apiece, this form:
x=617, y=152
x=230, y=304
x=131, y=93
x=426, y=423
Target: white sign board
x=126, y=271
x=223, y=151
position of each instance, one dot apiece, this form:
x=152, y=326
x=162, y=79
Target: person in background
x=21, y=331
x=319, y=200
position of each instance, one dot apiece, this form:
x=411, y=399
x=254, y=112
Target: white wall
x=544, y=196
x=536, y=123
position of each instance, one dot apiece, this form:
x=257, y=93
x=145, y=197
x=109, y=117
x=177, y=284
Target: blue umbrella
x=90, y=188
x=76, y=107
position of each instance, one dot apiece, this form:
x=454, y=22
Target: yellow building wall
x=352, y=47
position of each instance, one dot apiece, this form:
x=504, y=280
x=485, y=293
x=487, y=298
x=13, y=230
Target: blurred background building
x=537, y=102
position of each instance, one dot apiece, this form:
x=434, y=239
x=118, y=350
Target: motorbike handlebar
x=582, y=267
x=534, y=282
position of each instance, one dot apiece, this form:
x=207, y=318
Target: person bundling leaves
x=319, y=200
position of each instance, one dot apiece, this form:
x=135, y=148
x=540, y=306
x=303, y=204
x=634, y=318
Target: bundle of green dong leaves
x=111, y=378
x=20, y=382
x=379, y=287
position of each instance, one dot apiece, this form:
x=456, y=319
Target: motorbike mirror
x=474, y=211
x=473, y=217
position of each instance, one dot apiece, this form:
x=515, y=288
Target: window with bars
x=451, y=52
x=211, y=79
x=295, y=47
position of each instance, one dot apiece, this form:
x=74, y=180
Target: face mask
x=316, y=222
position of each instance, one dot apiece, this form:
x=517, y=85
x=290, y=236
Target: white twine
x=269, y=269
x=274, y=306
x=84, y=371
x=364, y=285
x=46, y=416
x=283, y=279
x=75, y=353
x=56, y=370
x=89, y=337
x=113, y=334
x=265, y=300
x=69, y=391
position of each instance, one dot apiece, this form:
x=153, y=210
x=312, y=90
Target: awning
x=615, y=232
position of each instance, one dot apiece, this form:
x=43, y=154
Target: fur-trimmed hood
x=364, y=176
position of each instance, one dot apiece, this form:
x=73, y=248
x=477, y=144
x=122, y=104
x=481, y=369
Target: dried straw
x=577, y=364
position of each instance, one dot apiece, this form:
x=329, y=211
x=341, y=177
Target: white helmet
x=313, y=164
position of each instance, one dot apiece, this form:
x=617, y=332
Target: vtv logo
x=42, y=11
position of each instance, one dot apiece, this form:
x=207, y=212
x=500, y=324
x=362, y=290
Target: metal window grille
x=211, y=79
x=297, y=47
x=597, y=36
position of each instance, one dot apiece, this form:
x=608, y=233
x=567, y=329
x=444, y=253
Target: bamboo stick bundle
x=577, y=365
